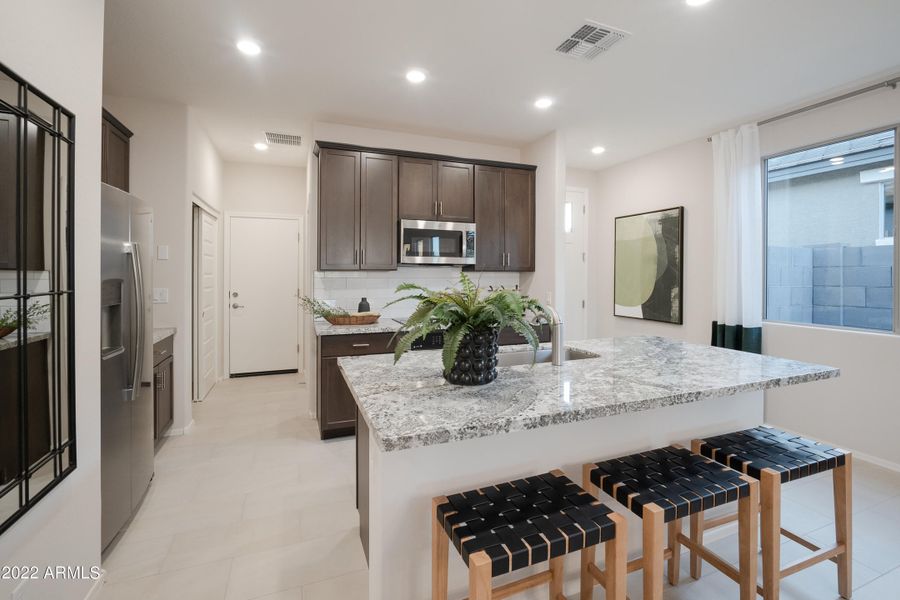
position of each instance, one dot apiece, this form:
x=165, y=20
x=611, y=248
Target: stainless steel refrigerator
x=126, y=353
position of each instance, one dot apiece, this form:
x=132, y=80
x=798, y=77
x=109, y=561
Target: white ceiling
x=684, y=73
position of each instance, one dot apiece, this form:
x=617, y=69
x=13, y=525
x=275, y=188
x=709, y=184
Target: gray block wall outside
x=847, y=286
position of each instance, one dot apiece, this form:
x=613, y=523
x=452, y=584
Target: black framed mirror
x=37, y=375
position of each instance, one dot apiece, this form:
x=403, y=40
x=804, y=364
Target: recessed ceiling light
x=837, y=160
x=543, y=103
x=696, y=2
x=261, y=146
x=598, y=149
x=249, y=47
x=415, y=76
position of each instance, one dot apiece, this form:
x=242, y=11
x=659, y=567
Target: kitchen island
x=421, y=437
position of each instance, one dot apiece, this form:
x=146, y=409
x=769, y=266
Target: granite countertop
x=382, y=325
x=411, y=405
x=161, y=333
x=12, y=340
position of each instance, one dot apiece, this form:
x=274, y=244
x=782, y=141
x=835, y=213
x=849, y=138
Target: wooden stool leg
x=440, y=544
x=588, y=557
x=556, y=577
x=480, y=576
x=654, y=549
x=748, y=524
x=770, y=493
x=696, y=526
x=843, y=523
x=617, y=560
x=675, y=547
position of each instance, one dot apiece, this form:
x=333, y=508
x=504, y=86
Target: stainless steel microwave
x=437, y=243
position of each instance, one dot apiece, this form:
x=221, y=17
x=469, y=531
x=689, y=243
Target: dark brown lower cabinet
x=163, y=388
x=336, y=408
x=37, y=358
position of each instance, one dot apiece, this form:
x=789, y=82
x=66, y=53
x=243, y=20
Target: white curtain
x=737, y=190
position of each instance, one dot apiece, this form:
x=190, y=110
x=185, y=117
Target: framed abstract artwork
x=649, y=266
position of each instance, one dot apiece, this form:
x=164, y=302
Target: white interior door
x=574, y=213
x=207, y=330
x=262, y=299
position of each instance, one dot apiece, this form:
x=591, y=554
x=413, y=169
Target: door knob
x=234, y=294
x=236, y=305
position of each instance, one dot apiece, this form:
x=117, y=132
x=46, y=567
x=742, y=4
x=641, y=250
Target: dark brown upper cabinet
x=339, y=210
x=455, y=195
x=518, y=213
x=418, y=189
x=378, y=212
x=436, y=190
x=357, y=210
x=489, y=250
x=38, y=170
x=504, y=215
x=115, y=152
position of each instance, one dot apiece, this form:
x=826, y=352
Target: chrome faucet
x=557, y=351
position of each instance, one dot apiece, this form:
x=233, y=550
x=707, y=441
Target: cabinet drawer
x=357, y=344
x=162, y=349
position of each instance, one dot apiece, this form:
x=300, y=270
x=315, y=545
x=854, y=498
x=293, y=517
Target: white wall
x=547, y=282
x=58, y=47
x=860, y=410
x=251, y=187
x=678, y=176
x=173, y=165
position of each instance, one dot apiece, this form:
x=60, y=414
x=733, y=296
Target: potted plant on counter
x=471, y=321
x=9, y=318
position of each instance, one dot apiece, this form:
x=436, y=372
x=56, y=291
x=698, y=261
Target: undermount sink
x=526, y=357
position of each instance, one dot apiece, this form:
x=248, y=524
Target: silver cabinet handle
x=441, y=208
x=503, y=259
x=435, y=207
x=361, y=345
x=356, y=256
x=236, y=305
x=362, y=256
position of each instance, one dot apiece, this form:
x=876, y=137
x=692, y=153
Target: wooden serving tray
x=353, y=319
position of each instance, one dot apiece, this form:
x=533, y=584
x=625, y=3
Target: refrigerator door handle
x=138, y=279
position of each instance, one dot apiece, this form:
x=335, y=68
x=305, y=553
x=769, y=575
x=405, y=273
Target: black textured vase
x=476, y=359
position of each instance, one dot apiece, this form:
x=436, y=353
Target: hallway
x=250, y=504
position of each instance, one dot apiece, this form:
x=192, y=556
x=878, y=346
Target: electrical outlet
x=160, y=295
x=162, y=253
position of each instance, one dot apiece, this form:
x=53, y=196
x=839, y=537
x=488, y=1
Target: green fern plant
x=457, y=312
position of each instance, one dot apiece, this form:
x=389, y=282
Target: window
x=830, y=234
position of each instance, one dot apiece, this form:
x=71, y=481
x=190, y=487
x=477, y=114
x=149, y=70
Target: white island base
x=402, y=483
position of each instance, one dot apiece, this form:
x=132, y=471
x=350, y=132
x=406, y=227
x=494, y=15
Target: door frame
x=201, y=204
x=226, y=290
x=584, y=248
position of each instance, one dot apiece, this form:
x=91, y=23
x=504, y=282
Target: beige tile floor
x=252, y=505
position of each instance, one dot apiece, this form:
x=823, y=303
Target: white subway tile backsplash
x=344, y=289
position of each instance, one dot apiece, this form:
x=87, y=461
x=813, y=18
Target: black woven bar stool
x=510, y=526
x=774, y=458
x=664, y=486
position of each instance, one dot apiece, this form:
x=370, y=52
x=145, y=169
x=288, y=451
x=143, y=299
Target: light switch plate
x=162, y=253
x=160, y=295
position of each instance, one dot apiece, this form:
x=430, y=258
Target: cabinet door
x=8, y=168
x=455, y=196
x=489, y=247
x=114, y=157
x=163, y=397
x=36, y=168
x=338, y=409
x=378, y=212
x=338, y=210
x=418, y=189
x=518, y=218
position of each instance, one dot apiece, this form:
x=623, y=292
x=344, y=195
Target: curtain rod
x=889, y=83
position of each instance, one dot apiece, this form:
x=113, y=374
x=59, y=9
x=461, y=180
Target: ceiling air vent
x=590, y=40
x=282, y=138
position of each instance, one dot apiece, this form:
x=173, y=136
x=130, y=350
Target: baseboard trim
x=182, y=431
x=94, y=592
x=879, y=462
